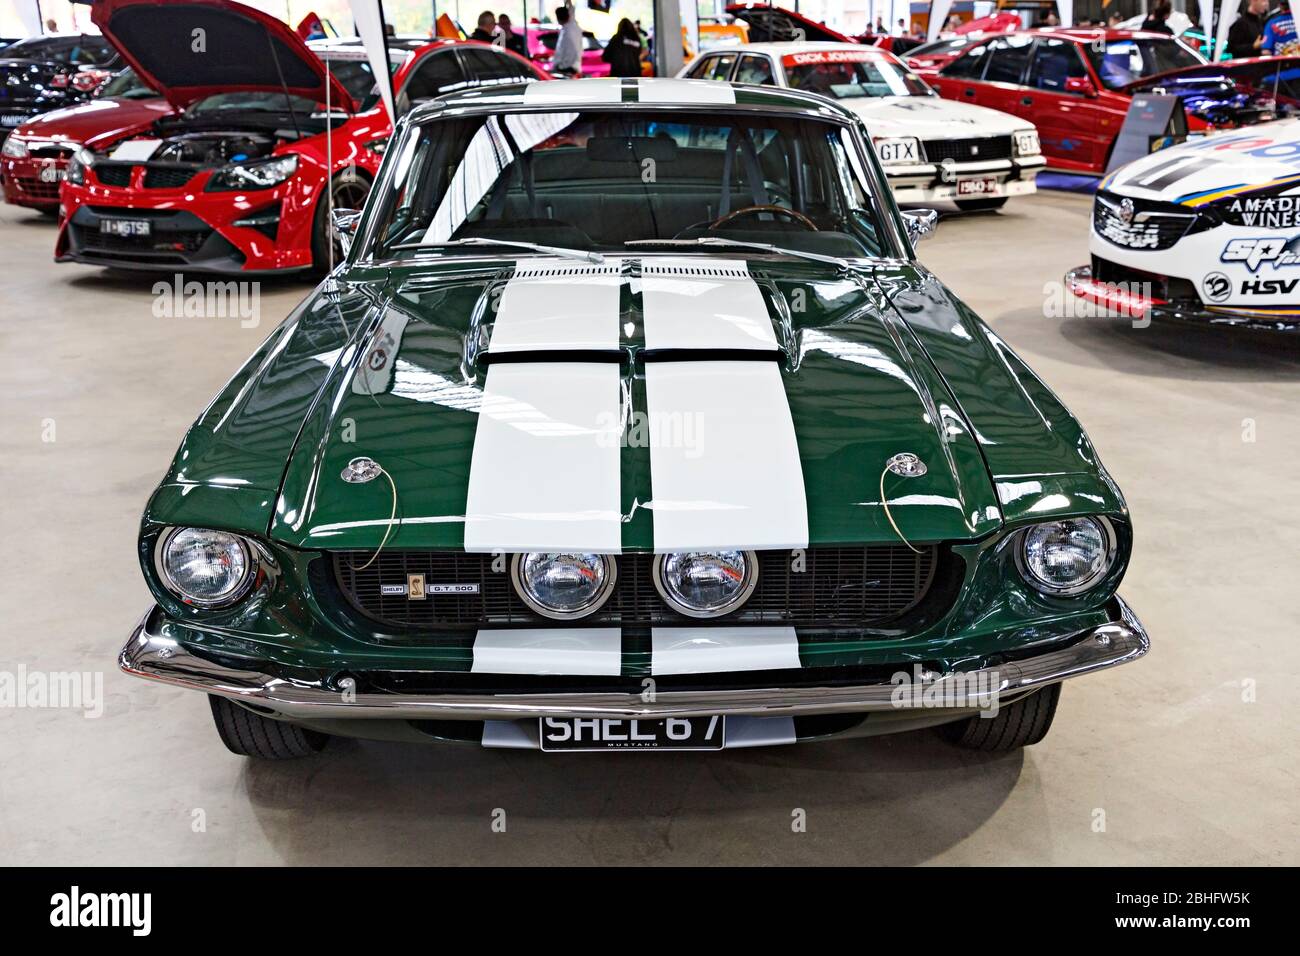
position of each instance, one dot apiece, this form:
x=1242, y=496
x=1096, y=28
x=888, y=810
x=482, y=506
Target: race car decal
x=710, y=650
x=829, y=56
x=1200, y=199
x=1264, y=212
x=585, y=651
x=557, y=304
x=1278, y=251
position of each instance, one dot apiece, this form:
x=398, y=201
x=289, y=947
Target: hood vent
x=652, y=268
x=566, y=271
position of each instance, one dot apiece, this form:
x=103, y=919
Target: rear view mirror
x=921, y=224
x=345, y=222
x=1080, y=85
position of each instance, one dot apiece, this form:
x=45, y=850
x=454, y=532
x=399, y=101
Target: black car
x=40, y=74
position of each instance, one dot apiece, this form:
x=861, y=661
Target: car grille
x=1139, y=223
x=179, y=242
x=113, y=175
x=831, y=587
x=166, y=177
x=33, y=188
x=968, y=150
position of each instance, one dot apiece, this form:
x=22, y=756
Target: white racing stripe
x=738, y=483
x=574, y=93
x=561, y=651
x=710, y=650
x=544, y=474
x=669, y=90
x=558, y=304
x=696, y=303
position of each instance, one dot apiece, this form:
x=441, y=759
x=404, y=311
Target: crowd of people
x=623, y=52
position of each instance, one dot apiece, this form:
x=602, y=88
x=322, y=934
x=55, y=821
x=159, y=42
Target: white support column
x=668, y=37
x=939, y=10
x=1227, y=17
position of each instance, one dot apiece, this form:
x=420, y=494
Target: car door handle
x=1026, y=101
x=969, y=92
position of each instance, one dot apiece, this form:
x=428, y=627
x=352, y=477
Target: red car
x=1074, y=85
x=238, y=179
x=37, y=152
x=541, y=47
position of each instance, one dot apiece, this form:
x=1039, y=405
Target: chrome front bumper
x=159, y=658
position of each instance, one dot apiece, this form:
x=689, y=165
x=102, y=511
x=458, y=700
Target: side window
x=436, y=74
x=968, y=66
x=720, y=68
x=484, y=66
x=756, y=70
x=1007, y=59
x=701, y=67
x=1055, y=61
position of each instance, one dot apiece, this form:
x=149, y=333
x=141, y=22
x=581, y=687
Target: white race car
x=1208, y=230
x=932, y=149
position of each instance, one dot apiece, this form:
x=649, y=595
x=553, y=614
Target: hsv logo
x=1277, y=250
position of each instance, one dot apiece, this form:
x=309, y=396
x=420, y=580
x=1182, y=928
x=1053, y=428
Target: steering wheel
x=774, y=210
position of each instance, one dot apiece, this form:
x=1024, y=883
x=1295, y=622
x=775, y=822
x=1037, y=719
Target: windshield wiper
x=560, y=251
x=720, y=243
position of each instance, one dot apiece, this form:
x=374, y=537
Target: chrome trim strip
x=156, y=657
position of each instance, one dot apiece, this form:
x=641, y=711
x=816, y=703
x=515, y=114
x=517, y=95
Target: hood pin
x=361, y=470
x=906, y=465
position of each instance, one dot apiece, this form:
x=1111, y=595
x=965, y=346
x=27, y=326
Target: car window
x=720, y=67
x=1121, y=62
x=756, y=70
x=701, y=66
x=436, y=74
x=970, y=65
x=1055, y=61
x=1007, y=59
x=487, y=66
x=575, y=179
x=845, y=75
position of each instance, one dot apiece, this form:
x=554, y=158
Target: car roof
x=1082, y=34
x=791, y=47
x=669, y=93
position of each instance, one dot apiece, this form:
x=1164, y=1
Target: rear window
x=1120, y=62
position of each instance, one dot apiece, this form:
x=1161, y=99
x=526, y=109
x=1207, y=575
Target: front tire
x=1017, y=725
x=251, y=735
x=980, y=205
x=349, y=189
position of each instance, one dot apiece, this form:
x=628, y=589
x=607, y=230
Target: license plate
x=124, y=227
x=51, y=174
x=13, y=119
x=976, y=187
x=653, y=733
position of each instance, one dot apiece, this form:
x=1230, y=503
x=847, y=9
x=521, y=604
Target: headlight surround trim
x=748, y=584
x=251, y=559
x=237, y=176
x=1110, y=551
x=603, y=591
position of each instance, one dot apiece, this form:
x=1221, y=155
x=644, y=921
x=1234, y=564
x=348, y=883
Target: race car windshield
x=594, y=181
x=1122, y=62
x=850, y=80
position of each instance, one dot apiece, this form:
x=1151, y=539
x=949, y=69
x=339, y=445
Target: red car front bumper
x=265, y=230
x=34, y=181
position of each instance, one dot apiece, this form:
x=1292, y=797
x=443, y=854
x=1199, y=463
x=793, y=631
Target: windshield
x=1121, y=62
x=846, y=75
x=598, y=180
x=126, y=85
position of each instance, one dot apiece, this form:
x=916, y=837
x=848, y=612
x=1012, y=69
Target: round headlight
x=563, y=586
x=706, y=583
x=1067, y=557
x=205, y=568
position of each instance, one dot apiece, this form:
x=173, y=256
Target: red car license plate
x=124, y=227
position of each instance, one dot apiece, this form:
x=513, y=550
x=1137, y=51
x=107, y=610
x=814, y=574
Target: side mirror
x=1080, y=85
x=345, y=224
x=921, y=224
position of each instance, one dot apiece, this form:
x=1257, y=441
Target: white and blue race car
x=1207, y=230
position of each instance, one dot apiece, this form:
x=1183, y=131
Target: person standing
x=623, y=51
x=568, y=48
x=1246, y=35
x=486, y=29
x=1279, y=33
x=508, y=38
x=1157, y=20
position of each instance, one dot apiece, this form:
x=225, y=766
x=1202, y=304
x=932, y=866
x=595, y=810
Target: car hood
x=1258, y=158
x=658, y=404
x=931, y=117
x=96, y=123
x=1251, y=73
x=242, y=49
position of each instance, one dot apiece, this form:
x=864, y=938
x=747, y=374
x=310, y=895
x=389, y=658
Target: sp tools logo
x=1253, y=253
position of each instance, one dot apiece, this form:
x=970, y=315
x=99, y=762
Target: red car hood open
x=776, y=24
x=189, y=49
x=97, y=122
x=1255, y=72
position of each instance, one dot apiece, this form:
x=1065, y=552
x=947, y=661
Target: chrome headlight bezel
x=602, y=595
x=260, y=174
x=1026, y=142
x=886, y=146
x=748, y=584
x=225, y=600
x=15, y=147
x=1110, y=546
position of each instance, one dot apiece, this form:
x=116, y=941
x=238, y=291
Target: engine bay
x=216, y=148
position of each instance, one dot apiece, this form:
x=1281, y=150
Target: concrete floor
x=1167, y=761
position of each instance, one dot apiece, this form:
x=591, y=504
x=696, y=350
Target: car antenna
x=288, y=100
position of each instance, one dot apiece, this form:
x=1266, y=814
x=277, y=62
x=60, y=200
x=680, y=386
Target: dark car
x=40, y=74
